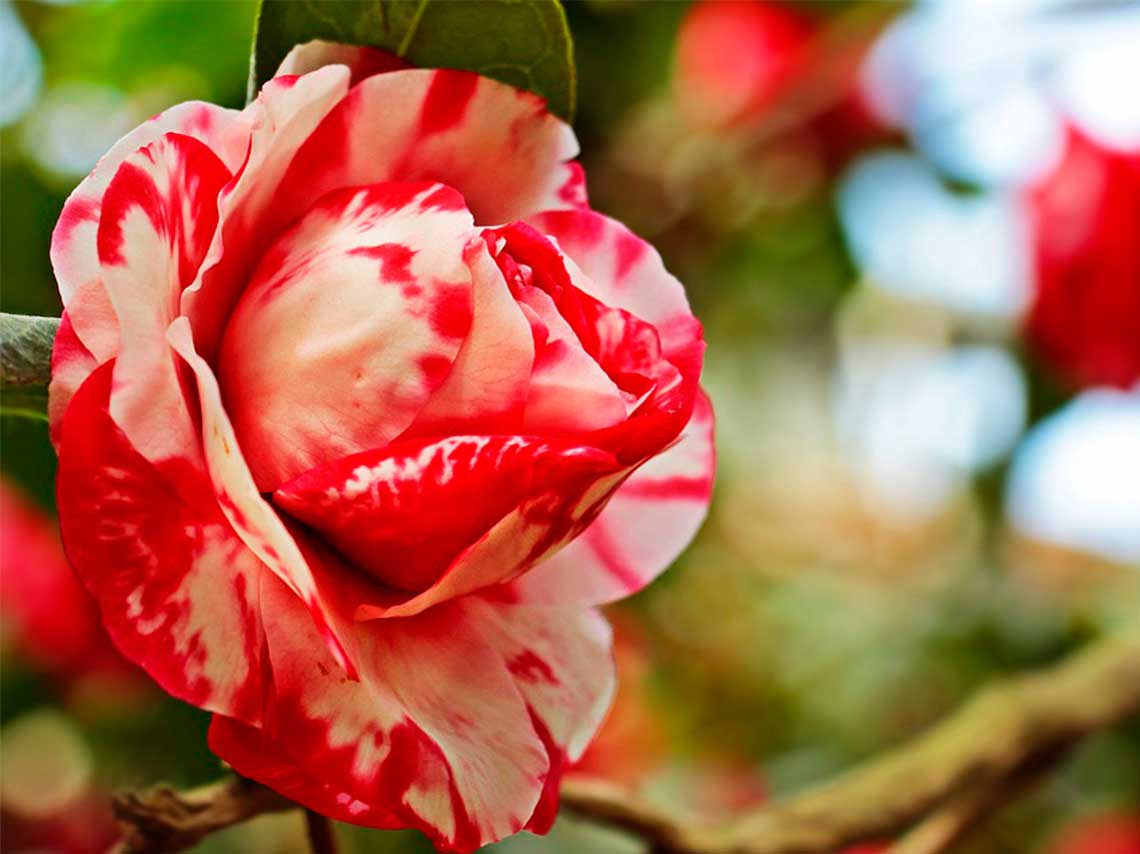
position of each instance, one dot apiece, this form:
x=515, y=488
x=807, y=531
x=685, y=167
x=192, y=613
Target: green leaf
x=25, y=363
x=525, y=43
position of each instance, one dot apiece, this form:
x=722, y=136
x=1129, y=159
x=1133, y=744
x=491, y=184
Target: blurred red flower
x=1085, y=318
x=48, y=619
x=1102, y=833
x=734, y=58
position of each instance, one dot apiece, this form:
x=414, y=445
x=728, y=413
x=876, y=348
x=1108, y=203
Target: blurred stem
x=322, y=837
x=940, y=784
x=962, y=768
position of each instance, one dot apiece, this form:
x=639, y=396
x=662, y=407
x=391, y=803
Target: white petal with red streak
x=74, y=256
x=562, y=663
x=569, y=392
x=352, y=320
x=497, y=145
x=416, y=742
x=646, y=525
x=254, y=520
x=486, y=390
x=157, y=220
x=283, y=116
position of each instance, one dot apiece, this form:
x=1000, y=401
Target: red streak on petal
x=394, y=259
x=434, y=368
x=629, y=249
x=446, y=101
x=135, y=188
x=546, y=810
x=451, y=311
x=608, y=552
x=443, y=199
x=528, y=666
x=678, y=487
x=77, y=211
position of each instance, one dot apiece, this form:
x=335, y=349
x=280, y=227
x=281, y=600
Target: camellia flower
x=360, y=409
x=1085, y=318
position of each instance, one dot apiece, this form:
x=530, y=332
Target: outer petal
x=158, y=217
x=74, y=255
x=647, y=523
x=353, y=318
x=362, y=61
x=409, y=511
x=74, y=251
x=178, y=590
x=496, y=144
x=562, y=664
x=71, y=364
x=416, y=742
x=252, y=518
x=283, y=117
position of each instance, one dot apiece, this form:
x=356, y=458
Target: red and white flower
x=360, y=410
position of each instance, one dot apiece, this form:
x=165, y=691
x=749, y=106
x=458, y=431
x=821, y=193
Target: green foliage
x=525, y=43
x=25, y=362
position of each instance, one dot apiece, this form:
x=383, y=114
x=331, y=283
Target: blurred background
x=913, y=236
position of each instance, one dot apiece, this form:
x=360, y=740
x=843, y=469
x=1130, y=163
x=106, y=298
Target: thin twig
x=993, y=738
x=164, y=820
x=951, y=777
x=319, y=830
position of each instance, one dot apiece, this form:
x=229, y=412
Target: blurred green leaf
x=25, y=362
x=525, y=43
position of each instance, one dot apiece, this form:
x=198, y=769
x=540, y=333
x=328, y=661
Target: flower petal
x=74, y=255
x=661, y=387
x=158, y=216
x=283, y=116
x=415, y=743
x=486, y=390
x=74, y=251
x=353, y=318
x=251, y=516
x=495, y=144
x=178, y=590
x=362, y=61
x=562, y=664
x=569, y=392
x=71, y=364
x=623, y=271
x=646, y=524
x=409, y=512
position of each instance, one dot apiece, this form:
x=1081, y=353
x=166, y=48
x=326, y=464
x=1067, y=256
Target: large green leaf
x=25, y=363
x=522, y=42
